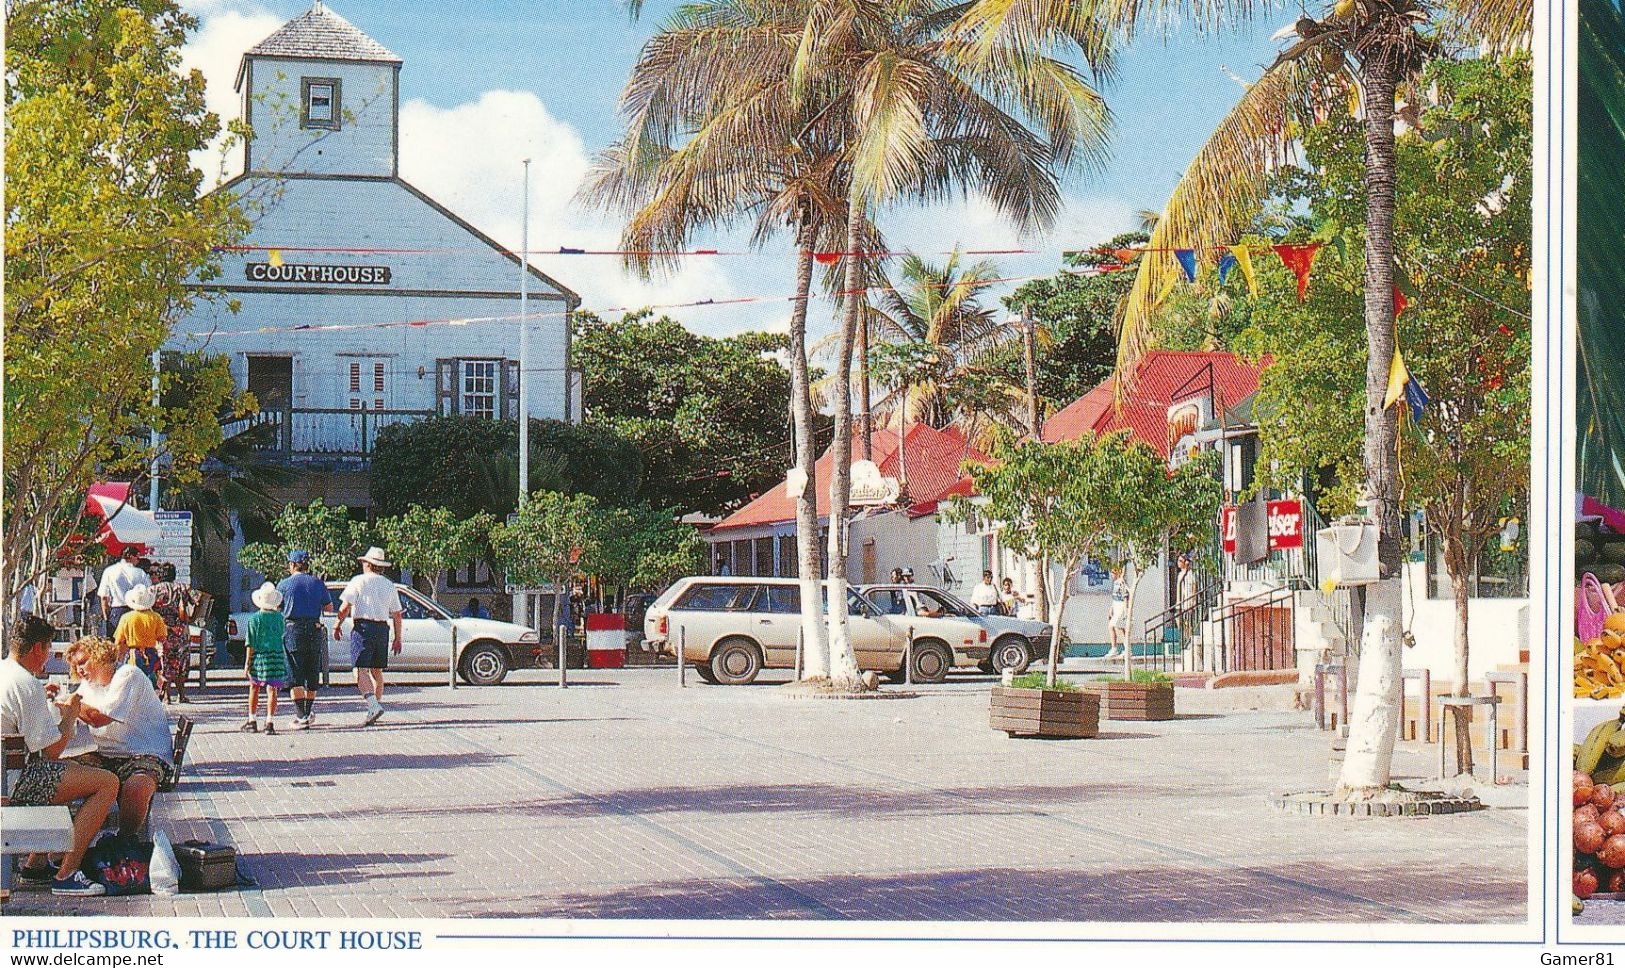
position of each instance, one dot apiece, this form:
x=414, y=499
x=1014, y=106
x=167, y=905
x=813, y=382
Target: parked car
x=486, y=649
x=731, y=628
x=992, y=643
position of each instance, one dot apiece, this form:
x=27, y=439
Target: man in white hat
x=372, y=600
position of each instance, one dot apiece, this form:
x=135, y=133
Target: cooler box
x=606, y=641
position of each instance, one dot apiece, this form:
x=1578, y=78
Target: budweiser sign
x=1285, y=521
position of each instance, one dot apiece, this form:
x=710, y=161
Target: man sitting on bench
x=26, y=711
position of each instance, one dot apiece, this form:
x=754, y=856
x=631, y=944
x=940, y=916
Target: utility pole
x=1029, y=351
x=152, y=483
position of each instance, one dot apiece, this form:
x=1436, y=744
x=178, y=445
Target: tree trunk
x=815, y=647
x=902, y=451
x=1055, y=636
x=865, y=416
x=1128, y=642
x=1460, y=569
x=1374, y=723
x=843, y=664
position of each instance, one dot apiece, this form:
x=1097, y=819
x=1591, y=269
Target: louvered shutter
x=510, y=389
x=445, y=382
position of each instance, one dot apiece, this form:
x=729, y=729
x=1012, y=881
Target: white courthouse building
x=340, y=239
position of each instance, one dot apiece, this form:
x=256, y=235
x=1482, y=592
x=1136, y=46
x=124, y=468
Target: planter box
x=1133, y=700
x=1045, y=712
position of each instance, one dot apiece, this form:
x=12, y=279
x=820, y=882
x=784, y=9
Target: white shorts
x=1119, y=619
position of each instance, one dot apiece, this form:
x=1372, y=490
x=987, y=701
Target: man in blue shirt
x=475, y=610
x=304, y=598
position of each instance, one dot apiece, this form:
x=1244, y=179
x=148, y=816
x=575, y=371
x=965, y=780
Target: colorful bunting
x=1244, y=262
x=1226, y=263
x=1400, y=302
x=1126, y=256
x=1301, y=260
x=276, y=257
x=1402, y=383
x=1187, y=261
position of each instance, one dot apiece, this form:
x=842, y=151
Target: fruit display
x=1599, y=660
x=1600, y=551
x=1599, y=824
x=1599, y=663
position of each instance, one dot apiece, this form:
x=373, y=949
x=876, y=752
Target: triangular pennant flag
x=1398, y=376
x=1126, y=255
x=276, y=257
x=1244, y=262
x=1187, y=261
x=1416, y=398
x=826, y=258
x=1400, y=302
x=1226, y=263
x=1301, y=260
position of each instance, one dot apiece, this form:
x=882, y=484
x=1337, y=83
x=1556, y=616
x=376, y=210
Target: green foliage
x=431, y=541
x=470, y=465
x=1600, y=380
x=1039, y=680
x=710, y=416
x=551, y=538
x=1149, y=677
x=648, y=548
x=326, y=531
x=104, y=226
x=1465, y=335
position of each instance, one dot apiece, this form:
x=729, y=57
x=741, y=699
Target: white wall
x=1497, y=628
x=899, y=542
x=364, y=144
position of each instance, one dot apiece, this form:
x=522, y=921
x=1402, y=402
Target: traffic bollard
x=682, y=667
x=908, y=658
x=800, y=633
x=452, y=674
x=562, y=633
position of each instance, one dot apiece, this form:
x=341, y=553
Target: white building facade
x=361, y=301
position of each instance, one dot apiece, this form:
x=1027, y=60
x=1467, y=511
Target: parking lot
x=625, y=796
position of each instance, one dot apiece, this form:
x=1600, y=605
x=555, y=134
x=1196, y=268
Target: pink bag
x=1588, y=621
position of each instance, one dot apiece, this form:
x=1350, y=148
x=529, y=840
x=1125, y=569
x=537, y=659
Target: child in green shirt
x=267, y=659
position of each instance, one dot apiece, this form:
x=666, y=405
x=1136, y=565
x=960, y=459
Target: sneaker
x=270, y=728
x=375, y=710
x=249, y=727
x=300, y=722
x=76, y=885
x=37, y=875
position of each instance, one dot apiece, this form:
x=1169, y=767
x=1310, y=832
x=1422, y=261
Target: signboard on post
x=868, y=488
x=174, y=544
x=1284, y=521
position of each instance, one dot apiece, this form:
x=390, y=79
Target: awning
x=122, y=524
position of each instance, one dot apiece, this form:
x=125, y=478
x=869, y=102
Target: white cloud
x=226, y=29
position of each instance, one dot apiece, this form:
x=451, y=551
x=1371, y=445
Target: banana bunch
x=1599, y=665
x=1602, y=753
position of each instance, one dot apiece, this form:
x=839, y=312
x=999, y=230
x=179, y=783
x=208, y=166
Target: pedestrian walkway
x=627, y=797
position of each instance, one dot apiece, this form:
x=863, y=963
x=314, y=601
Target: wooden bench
x=27, y=830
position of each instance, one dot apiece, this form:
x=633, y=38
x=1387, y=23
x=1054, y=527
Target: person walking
x=376, y=606
x=1185, y=595
x=46, y=779
x=304, y=598
x=985, y=596
x=267, y=660
x=114, y=588
x=173, y=602
x=140, y=631
x=1117, y=625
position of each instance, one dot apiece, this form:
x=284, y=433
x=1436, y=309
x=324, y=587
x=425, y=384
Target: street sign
x=869, y=488
x=174, y=544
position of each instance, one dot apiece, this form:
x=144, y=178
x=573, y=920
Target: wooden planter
x=1045, y=712
x=1133, y=700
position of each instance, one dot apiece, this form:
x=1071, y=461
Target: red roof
x=1164, y=377
x=933, y=459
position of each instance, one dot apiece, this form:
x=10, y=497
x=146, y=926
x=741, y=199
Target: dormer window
x=320, y=97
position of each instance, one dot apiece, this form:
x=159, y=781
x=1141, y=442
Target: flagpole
x=524, y=344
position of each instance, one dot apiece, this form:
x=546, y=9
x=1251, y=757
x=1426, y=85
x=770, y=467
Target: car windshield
x=414, y=607
x=943, y=602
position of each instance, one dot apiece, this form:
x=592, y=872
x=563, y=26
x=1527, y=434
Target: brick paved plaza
x=625, y=797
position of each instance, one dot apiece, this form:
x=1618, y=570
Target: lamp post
x=152, y=484
x=521, y=598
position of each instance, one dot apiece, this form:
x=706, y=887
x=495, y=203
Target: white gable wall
x=364, y=144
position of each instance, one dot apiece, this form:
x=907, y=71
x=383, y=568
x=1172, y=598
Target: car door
x=776, y=624
x=938, y=617
x=877, y=640
x=425, y=634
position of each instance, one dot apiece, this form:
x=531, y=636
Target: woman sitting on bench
x=131, y=729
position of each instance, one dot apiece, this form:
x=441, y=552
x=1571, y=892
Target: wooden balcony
x=309, y=434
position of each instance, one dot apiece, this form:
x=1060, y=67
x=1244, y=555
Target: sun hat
x=298, y=556
x=375, y=556
x=140, y=598
x=266, y=596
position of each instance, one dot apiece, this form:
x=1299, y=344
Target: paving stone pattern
x=626, y=797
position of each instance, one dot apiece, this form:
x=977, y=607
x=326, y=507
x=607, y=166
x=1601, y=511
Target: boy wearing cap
x=304, y=598
x=376, y=606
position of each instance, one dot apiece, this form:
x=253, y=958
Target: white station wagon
x=486, y=649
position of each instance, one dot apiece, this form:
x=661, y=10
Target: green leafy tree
x=1065, y=503
x=104, y=227
x=470, y=464
x=1465, y=203
x=710, y=416
x=431, y=541
x=550, y=539
x=327, y=531
x=1600, y=380
x=648, y=548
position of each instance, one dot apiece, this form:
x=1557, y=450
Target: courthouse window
x=321, y=103
x=479, y=388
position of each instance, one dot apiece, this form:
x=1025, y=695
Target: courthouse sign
x=321, y=274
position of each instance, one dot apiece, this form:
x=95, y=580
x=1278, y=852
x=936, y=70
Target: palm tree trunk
x=1374, y=722
x=865, y=415
x=843, y=665
x=815, y=647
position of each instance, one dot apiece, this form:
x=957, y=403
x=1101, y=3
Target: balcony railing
x=316, y=433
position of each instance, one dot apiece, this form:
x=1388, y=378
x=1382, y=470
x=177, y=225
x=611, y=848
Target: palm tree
x=811, y=114
x=1601, y=437
x=921, y=121
x=1364, y=49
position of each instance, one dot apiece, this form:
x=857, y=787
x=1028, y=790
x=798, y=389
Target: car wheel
x=931, y=662
x=483, y=665
x=704, y=672
x=1012, y=652
x=735, y=662
x=986, y=665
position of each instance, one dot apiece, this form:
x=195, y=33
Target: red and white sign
x=606, y=641
x=1285, y=520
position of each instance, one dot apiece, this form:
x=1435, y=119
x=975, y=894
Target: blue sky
x=486, y=83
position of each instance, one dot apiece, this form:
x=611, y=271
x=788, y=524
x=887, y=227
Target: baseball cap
x=298, y=557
